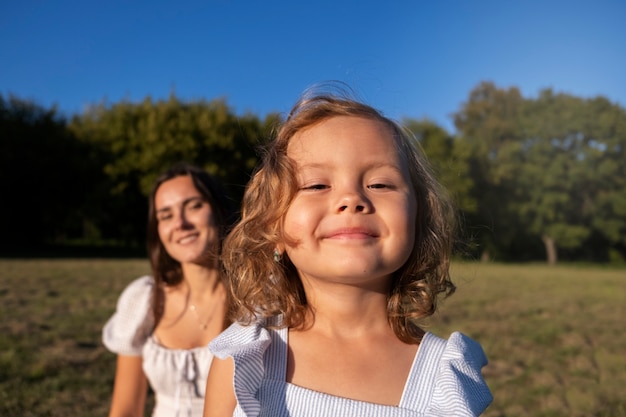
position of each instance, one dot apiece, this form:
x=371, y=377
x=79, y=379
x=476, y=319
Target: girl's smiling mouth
x=351, y=233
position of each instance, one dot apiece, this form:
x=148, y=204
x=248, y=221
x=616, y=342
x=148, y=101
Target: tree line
x=533, y=178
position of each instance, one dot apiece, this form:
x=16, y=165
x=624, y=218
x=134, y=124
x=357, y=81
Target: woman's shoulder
x=136, y=296
x=139, y=286
x=132, y=322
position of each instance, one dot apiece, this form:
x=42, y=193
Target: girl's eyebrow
x=395, y=167
x=373, y=165
x=323, y=164
x=313, y=165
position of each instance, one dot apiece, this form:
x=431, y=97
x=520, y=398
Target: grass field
x=554, y=335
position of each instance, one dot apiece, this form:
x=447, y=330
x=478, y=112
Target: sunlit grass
x=553, y=335
x=52, y=362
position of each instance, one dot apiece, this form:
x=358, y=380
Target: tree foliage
x=89, y=179
x=489, y=127
x=449, y=159
x=42, y=174
x=550, y=169
x=136, y=142
x=532, y=177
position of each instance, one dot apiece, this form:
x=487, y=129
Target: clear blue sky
x=408, y=58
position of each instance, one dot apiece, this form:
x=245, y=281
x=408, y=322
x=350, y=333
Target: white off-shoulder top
x=445, y=379
x=177, y=376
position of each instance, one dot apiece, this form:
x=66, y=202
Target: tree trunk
x=484, y=256
x=550, y=246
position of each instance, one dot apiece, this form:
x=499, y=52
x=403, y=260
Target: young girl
x=344, y=244
x=163, y=322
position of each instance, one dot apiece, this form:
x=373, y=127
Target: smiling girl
x=344, y=245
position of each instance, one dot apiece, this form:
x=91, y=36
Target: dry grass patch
x=554, y=336
x=52, y=362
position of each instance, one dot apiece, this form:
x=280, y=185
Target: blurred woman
x=164, y=322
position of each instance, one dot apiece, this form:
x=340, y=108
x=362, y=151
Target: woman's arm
x=129, y=391
x=220, y=400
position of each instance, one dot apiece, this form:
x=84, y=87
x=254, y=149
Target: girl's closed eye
x=315, y=187
x=379, y=186
x=382, y=185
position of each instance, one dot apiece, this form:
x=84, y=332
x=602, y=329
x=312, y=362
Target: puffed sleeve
x=460, y=389
x=246, y=345
x=132, y=323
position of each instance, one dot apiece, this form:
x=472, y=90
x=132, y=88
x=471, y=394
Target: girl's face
x=353, y=217
x=186, y=224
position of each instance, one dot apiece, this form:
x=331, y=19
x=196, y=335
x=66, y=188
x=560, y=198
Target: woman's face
x=186, y=224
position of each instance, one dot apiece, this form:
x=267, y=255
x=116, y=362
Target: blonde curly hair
x=262, y=287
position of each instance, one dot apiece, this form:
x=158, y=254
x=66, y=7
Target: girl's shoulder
x=458, y=347
x=446, y=377
x=132, y=322
x=240, y=340
x=452, y=369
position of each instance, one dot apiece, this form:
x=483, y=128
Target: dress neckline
x=415, y=373
x=154, y=340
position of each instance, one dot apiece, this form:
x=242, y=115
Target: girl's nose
x=354, y=202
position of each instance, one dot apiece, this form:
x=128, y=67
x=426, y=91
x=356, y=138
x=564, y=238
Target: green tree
x=550, y=169
x=136, y=142
x=488, y=127
x=449, y=159
x=43, y=173
x=604, y=127
x=573, y=172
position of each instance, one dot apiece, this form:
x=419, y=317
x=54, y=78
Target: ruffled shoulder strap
x=127, y=330
x=247, y=346
x=460, y=388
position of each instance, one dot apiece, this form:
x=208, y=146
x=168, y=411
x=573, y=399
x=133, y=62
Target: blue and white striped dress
x=445, y=379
